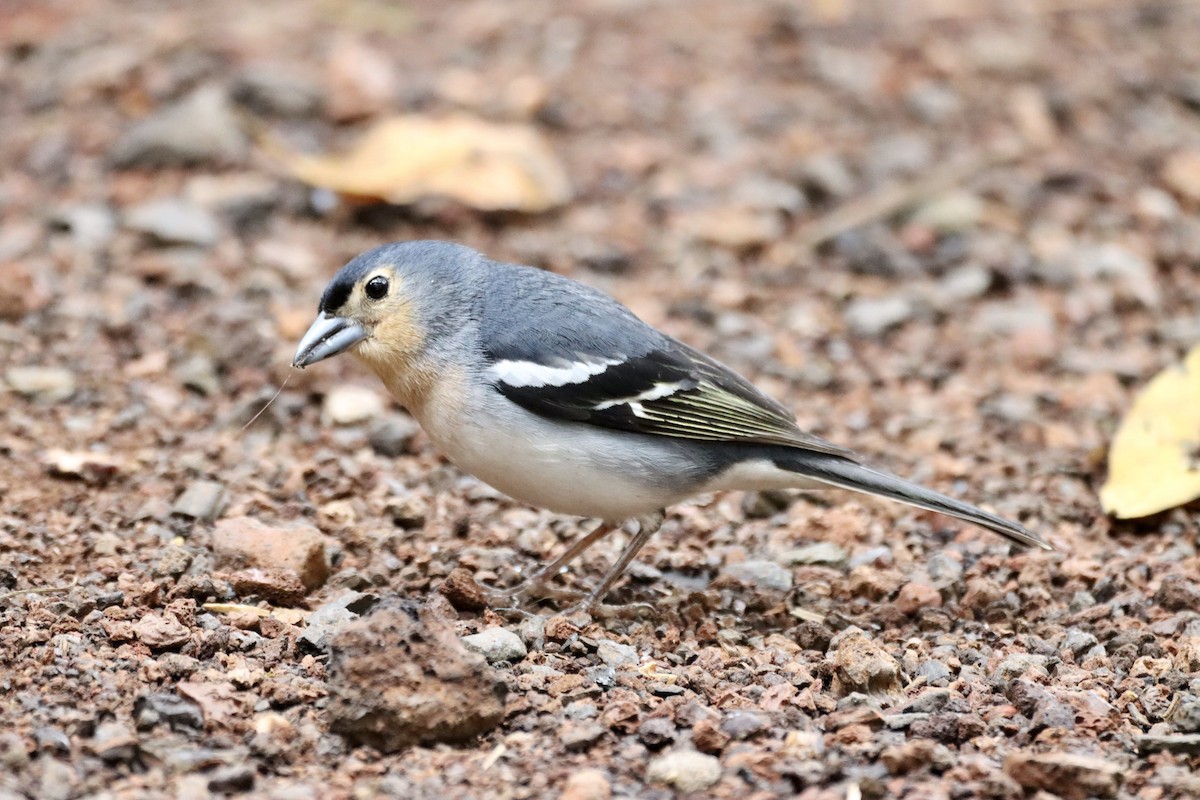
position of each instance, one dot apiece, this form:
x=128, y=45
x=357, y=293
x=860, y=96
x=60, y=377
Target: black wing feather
x=706, y=401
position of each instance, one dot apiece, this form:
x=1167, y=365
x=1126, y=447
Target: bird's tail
x=846, y=474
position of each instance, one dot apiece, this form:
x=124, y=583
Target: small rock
x=951, y=213
x=23, y=289
x=874, y=316
x=350, y=405
x=685, y=770
x=861, y=665
x=967, y=282
x=392, y=436
x=202, y=500
x=361, y=79
x=826, y=175
x=934, y=672
x=161, y=631
x=744, y=724
x=1077, y=642
x=929, y=702
x=244, y=198
x=245, y=541
x=765, y=504
x=1182, y=743
x=462, y=591
x=496, y=645
x=900, y=154
x=180, y=714
x=915, y=754
x=199, y=374
x=92, y=226
x=760, y=575
x=329, y=618
x=820, y=553
x=1019, y=664
x=1176, y=593
x=934, y=102
x=232, y=779
x=174, y=221
x=732, y=227
x=578, y=736
x=616, y=655
x=587, y=784
x=46, y=384
x=114, y=742
x=768, y=194
x=1186, y=718
x=201, y=128
x=915, y=596
x=401, y=677
x=707, y=737
x=281, y=587
x=657, y=732
x=86, y=465
x=1181, y=174
x=276, y=90
x=1067, y=775
x=943, y=570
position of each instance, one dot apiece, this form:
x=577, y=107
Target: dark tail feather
x=846, y=474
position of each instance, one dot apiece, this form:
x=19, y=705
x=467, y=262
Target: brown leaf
x=488, y=166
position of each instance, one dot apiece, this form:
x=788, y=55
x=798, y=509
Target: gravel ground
x=955, y=239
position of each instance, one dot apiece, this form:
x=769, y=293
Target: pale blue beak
x=327, y=337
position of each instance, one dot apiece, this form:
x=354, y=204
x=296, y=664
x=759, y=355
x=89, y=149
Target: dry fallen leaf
x=488, y=166
x=1154, y=463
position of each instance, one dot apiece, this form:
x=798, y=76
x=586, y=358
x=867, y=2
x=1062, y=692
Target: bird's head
x=386, y=304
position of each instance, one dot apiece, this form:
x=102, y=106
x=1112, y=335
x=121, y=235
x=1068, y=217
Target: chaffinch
x=557, y=395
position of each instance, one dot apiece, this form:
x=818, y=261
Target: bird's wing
x=600, y=365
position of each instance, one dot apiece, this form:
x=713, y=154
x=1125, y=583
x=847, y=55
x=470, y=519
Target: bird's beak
x=326, y=337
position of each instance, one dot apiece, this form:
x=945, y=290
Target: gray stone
x=114, y=742
x=47, y=384
x=326, y=620
x=393, y=434
x=496, y=645
x=874, y=316
x=761, y=574
x=276, y=90
x=174, y=221
x=616, y=655
x=202, y=500
x=1184, y=743
x=819, y=553
x=685, y=770
x=91, y=225
x=934, y=672
x=200, y=129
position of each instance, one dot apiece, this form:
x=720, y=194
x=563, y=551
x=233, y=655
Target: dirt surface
x=956, y=239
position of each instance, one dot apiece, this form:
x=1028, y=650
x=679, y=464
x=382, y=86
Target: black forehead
x=339, y=289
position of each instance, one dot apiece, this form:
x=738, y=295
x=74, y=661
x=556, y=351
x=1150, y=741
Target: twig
x=892, y=199
x=43, y=590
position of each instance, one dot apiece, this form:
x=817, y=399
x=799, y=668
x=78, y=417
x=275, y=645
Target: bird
x=557, y=395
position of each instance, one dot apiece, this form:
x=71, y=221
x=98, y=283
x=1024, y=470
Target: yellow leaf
x=484, y=165
x=1154, y=463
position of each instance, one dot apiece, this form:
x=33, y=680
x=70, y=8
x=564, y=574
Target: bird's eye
x=377, y=287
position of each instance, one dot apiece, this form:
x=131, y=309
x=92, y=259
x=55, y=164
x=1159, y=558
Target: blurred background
x=956, y=236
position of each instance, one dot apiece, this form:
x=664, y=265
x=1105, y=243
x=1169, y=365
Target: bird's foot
x=517, y=596
x=604, y=611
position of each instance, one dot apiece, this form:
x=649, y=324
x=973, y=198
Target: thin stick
x=892, y=199
x=43, y=590
x=278, y=392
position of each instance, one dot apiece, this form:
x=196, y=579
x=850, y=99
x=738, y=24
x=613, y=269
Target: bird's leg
x=532, y=587
x=647, y=527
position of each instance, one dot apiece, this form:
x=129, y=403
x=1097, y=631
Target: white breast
x=564, y=467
